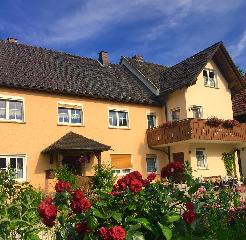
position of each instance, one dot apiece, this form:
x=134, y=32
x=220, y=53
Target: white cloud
x=239, y=48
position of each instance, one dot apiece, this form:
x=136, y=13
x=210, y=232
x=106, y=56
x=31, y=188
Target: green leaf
x=194, y=188
x=166, y=231
x=97, y=213
x=92, y=222
x=138, y=236
x=173, y=218
x=117, y=216
x=145, y=223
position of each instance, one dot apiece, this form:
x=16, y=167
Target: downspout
x=168, y=147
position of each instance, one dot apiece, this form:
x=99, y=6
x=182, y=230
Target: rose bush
x=143, y=208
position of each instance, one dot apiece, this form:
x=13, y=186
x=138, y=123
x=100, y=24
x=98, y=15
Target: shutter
x=121, y=161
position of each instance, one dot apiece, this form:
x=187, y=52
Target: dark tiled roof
x=185, y=72
x=73, y=141
x=239, y=102
x=150, y=71
x=34, y=68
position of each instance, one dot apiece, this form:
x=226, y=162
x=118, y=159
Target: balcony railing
x=194, y=129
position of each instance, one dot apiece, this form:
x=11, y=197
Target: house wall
x=214, y=159
x=215, y=101
x=243, y=161
x=176, y=100
x=41, y=129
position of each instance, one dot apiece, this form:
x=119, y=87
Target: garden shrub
x=18, y=205
x=138, y=208
x=64, y=174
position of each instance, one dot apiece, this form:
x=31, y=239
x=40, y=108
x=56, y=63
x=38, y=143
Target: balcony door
x=178, y=157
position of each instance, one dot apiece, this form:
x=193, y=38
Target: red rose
x=104, y=233
x=146, y=182
x=189, y=206
x=62, y=186
x=122, y=184
x=136, y=185
x=82, y=228
x=151, y=176
x=80, y=205
x=117, y=233
x=78, y=194
x=50, y=212
x=189, y=216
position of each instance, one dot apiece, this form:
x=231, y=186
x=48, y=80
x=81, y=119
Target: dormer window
x=209, y=78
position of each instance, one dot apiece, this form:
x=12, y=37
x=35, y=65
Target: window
x=175, y=114
x=121, y=163
x=118, y=118
x=209, y=78
x=151, y=163
x=11, y=109
x=17, y=163
x=151, y=119
x=197, y=111
x=70, y=114
x=201, y=158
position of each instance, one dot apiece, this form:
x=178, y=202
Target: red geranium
x=82, y=228
x=189, y=216
x=117, y=233
x=136, y=185
x=62, y=186
x=78, y=194
x=189, y=206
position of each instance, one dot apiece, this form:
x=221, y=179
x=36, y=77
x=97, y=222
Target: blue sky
x=162, y=31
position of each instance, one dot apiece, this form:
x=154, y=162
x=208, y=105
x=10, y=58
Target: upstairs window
x=151, y=120
x=11, y=109
x=197, y=111
x=201, y=158
x=70, y=114
x=175, y=114
x=118, y=118
x=16, y=163
x=209, y=78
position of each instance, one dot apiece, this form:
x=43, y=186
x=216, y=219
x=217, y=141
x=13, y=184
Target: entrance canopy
x=73, y=141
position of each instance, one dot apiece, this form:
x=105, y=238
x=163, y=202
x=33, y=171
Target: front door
x=178, y=157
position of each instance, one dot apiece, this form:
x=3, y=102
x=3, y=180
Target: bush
x=18, y=205
x=64, y=174
x=103, y=179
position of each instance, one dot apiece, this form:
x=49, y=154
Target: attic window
x=209, y=78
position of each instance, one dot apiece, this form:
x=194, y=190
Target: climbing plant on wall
x=229, y=161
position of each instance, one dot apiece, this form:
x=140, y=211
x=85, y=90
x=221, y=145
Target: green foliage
x=64, y=174
x=103, y=179
x=229, y=162
x=18, y=208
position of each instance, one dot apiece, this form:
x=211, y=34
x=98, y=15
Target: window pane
x=151, y=164
x=76, y=116
x=151, y=121
x=201, y=160
x=3, y=109
x=15, y=110
x=19, y=168
x=122, y=118
x=112, y=118
x=3, y=163
x=63, y=115
x=197, y=112
x=175, y=115
x=125, y=171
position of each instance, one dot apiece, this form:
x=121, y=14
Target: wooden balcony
x=194, y=130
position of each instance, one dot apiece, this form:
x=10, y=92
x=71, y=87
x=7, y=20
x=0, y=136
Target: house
x=56, y=108
x=239, y=112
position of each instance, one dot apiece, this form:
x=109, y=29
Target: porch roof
x=74, y=141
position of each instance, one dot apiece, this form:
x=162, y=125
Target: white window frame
x=148, y=156
x=23, y=156
x=171, y=113
x=13, y=98
x=117, y=117
x=209, y=82
x=155, y=119
x=197, y=107
x=205, y=159
x=121, y=173
x=70, y=106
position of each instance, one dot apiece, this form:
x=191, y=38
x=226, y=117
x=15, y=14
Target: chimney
x=103, y=57
x=138, y=58
x=12, y=40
